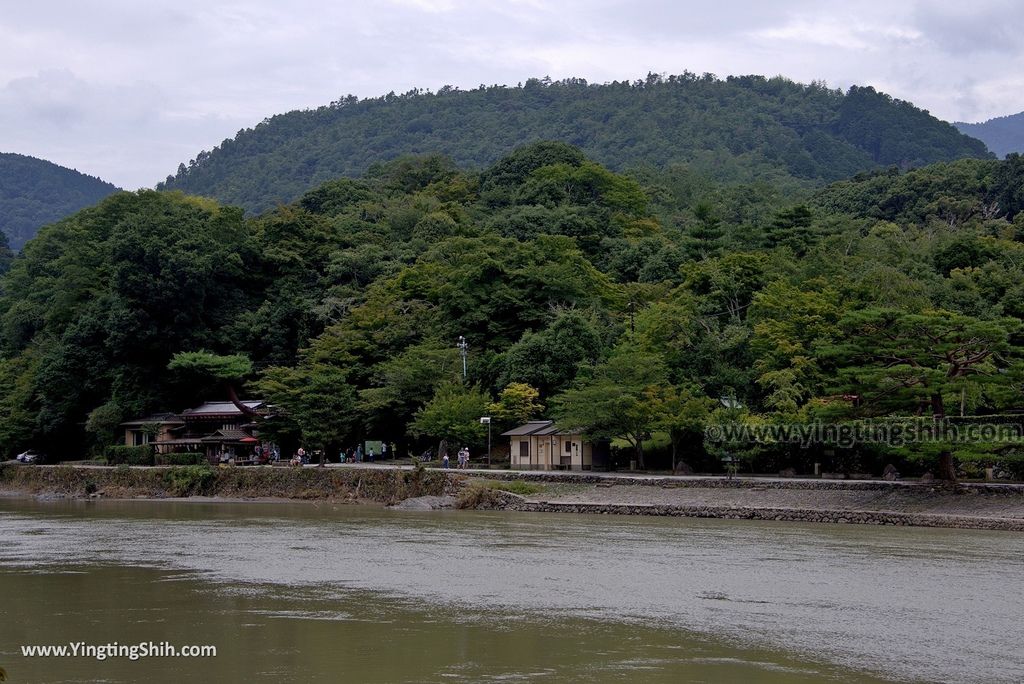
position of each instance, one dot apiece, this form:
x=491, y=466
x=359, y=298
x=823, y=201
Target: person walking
x=444, y=461
x=383, y=451
x=359, y=453
x=369, y=455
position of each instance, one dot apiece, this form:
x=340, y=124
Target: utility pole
x=463, y=348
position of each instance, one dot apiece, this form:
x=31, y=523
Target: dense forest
x=737, y=130
x=1003, y=135
x=642, y=307
x=34, y=192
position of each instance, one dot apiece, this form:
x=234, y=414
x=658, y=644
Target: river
x=317, y=592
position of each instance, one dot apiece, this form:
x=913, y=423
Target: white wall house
x=540, y=445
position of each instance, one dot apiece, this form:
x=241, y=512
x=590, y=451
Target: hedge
x=181, y=459
x=130, y=455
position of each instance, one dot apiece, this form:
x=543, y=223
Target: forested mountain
x=626, y=305
x=1002, y=135
x=734, y=130
x=34, y=192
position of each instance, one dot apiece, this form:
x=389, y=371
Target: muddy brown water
x=323, y=593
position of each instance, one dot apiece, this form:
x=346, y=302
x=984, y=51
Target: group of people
x=463, y=459
x=261, y=454
x=357, y=455
x=351, y=455
x=266, y=453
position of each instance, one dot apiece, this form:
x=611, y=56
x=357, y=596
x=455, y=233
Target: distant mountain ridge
x=35, y=192
x=1003, y=134
x=742, y=128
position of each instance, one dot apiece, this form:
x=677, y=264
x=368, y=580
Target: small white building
x=541, y=445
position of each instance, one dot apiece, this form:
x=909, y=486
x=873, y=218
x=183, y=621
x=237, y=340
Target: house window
x=568, y=447
x=139, y=438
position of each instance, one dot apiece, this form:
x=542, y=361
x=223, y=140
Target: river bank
x=965, y=506
x=381, y=486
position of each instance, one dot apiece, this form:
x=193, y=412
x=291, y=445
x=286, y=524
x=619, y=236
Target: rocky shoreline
x=781, y=514
x=989, y=506
x=964, y=506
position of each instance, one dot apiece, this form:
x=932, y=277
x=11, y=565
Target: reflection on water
x=301, y=592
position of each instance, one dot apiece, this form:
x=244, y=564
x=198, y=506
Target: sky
x=128, y=89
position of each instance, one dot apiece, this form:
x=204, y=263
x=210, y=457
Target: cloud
x=127, y=90
x=114, y=131
x=964, y=29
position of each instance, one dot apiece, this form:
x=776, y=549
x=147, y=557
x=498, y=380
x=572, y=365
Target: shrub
x=477, y=496
x=182, y=459
x=129, y=455
x=189, y=480
x=483, y=494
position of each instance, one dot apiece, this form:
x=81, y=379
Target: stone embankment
x=785, y=514
x=926, y=504
x=383, y=486
x=967, y=506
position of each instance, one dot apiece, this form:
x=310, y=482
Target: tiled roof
x=527, y=429
x=222, y=408
x=550, y=430
x=161, y=418
x=538, y=428
x=226, y=436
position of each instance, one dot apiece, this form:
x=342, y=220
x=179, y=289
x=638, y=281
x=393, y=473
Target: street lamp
x=463, y=348
x=486, y=420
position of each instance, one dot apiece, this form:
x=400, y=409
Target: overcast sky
x=128, y=89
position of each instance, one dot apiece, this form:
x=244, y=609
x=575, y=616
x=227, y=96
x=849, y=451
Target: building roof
x=228, y=435
x=180, y=441
x=528, y=429
x=538, y=428
x=159, y=418
x=550, y=430
x=212, y=409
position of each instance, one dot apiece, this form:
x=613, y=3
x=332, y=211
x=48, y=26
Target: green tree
x=453, y=414
x=104, y=424
x=617, y=398
x=317, y=399
x=913, y=362
x=405, y=383
x=682, y=413
x=228, y=370
x=787, y=323
x=18, y=410
x=516, y=404
x=549, y=358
